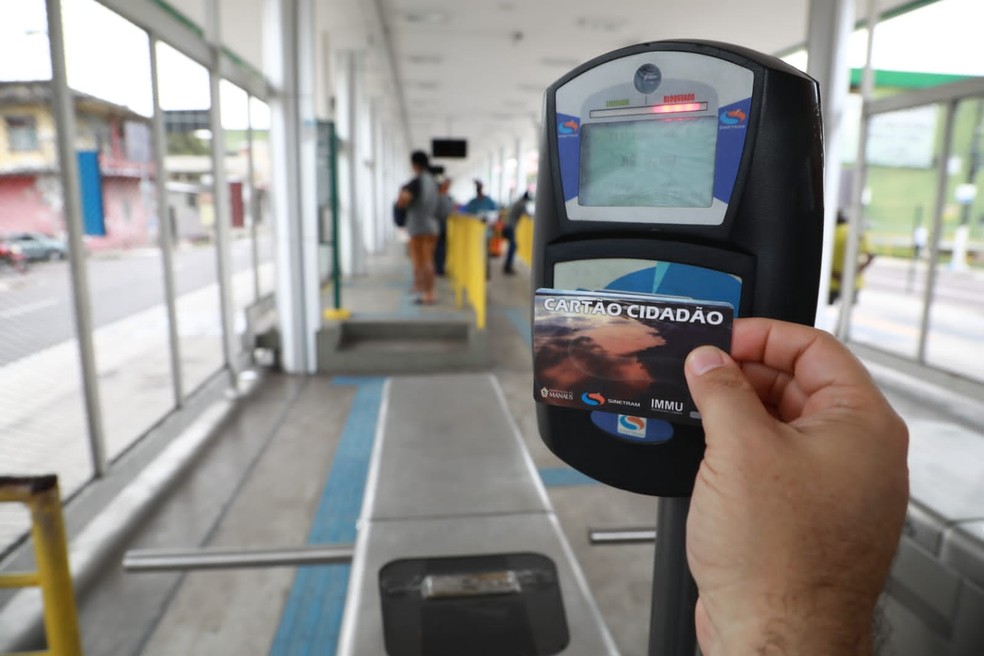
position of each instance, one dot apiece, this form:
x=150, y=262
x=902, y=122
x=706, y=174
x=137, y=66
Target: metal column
x=520, y=168
x=828, y=31
x=937, y=231
x=63, y=106
x=166, y=227
x=849, y=273
x=295, y=225
x=220, y=194
x=356, y=232
x=671, y=627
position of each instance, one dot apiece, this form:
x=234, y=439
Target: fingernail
x=704, y=358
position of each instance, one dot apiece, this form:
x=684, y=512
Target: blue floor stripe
x=312, y=616
x=564, y=476
x=518, y=318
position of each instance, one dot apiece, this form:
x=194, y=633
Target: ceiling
x=476, y=69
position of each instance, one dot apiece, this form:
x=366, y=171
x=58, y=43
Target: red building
x=115, y=162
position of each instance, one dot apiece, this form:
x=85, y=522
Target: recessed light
x=560, y=62
x=424, y=59
x=428, y=17
x=602, y=23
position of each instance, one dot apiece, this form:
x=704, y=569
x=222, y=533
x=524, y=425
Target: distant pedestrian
x=419, y=197
x=480, y=204
x=865, y=257
x=445, y=207
x=920, y=237
x=516, y=211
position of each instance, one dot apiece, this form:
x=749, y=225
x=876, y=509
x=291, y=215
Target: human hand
x=800, y=499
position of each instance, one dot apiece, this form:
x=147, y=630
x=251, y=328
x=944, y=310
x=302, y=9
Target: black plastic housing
x=771, y=236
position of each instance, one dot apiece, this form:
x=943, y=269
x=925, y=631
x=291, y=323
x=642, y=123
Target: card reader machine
x=681, y=168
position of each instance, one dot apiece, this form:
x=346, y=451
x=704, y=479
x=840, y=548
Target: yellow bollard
x=524, y=239
x=53, y=576
x=466, y=263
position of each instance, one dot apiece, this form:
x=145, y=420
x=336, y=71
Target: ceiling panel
x=477, y=68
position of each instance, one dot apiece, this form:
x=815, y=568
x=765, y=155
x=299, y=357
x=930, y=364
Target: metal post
x=165, y=227
x=829, y=27
x=336, y=264
x=254, y=206
x=63, y=106
x=937, y=231
x=220, y=198
x=671, y=628
x=849, y=272
x=520, y=168
x=357, y=243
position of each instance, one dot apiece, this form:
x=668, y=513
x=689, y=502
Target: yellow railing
x=524, y=239
x=466, y=260
x=40, y=494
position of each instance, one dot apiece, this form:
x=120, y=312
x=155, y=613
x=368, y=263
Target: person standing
x=480, y=204
x=445, y=206
x=516, y=210
x=865, y=257
x=419, y=197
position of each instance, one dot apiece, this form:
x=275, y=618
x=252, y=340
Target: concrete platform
x=264, y=483
x=394, y=344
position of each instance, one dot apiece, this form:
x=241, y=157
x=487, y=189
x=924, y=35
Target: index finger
x=814, y=358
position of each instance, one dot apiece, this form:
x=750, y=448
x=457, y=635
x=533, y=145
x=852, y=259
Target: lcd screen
x=649, y=163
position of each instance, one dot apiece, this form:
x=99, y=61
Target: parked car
x=11, y=255
x=38, y=246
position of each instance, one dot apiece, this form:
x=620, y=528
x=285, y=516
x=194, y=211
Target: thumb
x=727, y=402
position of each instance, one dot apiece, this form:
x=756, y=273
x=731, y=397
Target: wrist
x=815, y=624
x=788, y=637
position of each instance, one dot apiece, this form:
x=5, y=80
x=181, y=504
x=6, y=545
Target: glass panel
x=42, y=416
x=900, y=191
x=116, y=160
x=186, y=101
x=235, y=124
x=261, y=205
x=957, y=318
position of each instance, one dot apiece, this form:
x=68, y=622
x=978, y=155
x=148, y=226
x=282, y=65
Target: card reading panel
x=649, y=163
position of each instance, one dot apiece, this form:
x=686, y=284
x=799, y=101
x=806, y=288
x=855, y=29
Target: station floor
x=284, y=471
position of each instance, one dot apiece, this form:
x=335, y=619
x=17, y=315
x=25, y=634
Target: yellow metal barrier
x=524, y=239
x=40, y=494
x=466, y=260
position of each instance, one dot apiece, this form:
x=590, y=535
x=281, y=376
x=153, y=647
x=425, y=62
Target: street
x=36, y=307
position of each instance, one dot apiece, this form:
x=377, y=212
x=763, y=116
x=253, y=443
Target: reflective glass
x=186, y=103
x=42, y=418
x=124, y=267
x=898, y=200
x=235, y=125
x=261, y=204
x=957, y=313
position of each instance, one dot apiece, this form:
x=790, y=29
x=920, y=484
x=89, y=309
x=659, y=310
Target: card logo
x=733, y=117
x=567, y=127
x=593, y=398
x=632, y=426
